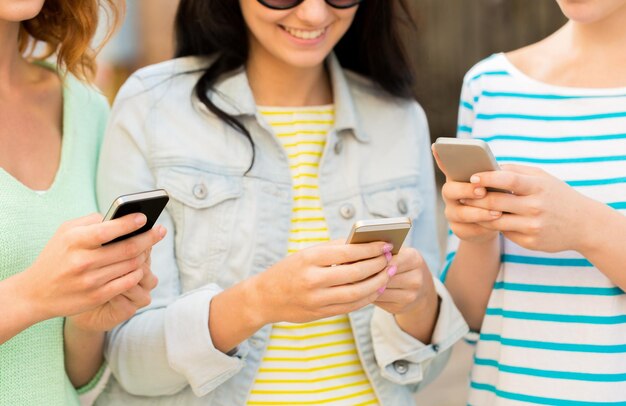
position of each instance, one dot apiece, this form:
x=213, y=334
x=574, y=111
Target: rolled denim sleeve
x=167, y=345
x=405, y=360
x=189, y=347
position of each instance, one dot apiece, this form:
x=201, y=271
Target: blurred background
x=452, y=35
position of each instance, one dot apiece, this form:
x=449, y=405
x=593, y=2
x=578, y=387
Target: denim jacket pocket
x=394, y=202
x=401, y=201
x=204, y=206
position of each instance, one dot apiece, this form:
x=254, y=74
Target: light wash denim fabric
x=224, y=226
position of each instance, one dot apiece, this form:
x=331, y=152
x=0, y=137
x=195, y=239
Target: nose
x=313, y=12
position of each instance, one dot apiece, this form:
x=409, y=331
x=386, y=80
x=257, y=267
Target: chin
x=303, y=61
x=589, y=11
x=20, y=10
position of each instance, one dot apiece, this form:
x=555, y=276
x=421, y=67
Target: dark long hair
x=371, y=47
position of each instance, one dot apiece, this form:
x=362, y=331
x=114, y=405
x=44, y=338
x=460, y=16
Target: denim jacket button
x=402, y=206
x=256, y=343
x=199, y=190
x=347, y=211
x=401, y=366
x=338, y=147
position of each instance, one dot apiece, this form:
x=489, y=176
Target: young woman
x=540, y=272
x=269, y=148
x=51, y=124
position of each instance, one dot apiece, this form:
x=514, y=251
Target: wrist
x=25, y=300
x=588, y=237
x=419, y=320
x=257, y=310
x=73, y=327
x=485, y=248
x=483, y=240
x=426, y=302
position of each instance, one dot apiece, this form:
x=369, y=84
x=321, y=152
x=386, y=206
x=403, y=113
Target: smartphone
x=150, y=203
x=392, y=230
x=463, y=157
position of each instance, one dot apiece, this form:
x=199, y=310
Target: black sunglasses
x=287, y=4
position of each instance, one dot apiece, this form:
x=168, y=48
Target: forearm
x=603, y=241
x=471, y=277
x=83, y=353
x=19, y=312
x=420, y=321
x=234, y=317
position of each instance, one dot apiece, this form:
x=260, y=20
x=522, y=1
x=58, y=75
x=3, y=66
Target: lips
x=304, y=34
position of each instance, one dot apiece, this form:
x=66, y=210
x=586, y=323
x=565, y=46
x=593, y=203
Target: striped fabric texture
x=555, y=328
x=311, y=363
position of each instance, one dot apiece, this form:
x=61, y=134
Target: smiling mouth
x=304, y=34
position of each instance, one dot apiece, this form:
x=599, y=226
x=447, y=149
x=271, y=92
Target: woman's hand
x=323, y=281
x=74, y=273
x=120, y=308
x=410, y=294
x=543, y=214
x=318, y=282
x=410, y=284
x=466, y=221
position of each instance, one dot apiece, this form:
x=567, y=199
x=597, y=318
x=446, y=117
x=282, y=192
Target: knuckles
x=412, y=257
x=307, y=256
x=145, y=300
x=534, y=227
x=343, y=254
x=310, y=280
x=81, y=263
x=102, y=235
x=131, y=248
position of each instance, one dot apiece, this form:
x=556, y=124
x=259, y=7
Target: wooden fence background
x=455, y=34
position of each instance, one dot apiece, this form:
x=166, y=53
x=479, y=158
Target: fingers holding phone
x=410, y=282
x=130, y=278
x=135, y=295
x=320, y=281
x=408, y=293
x=460, y=160
x=75, y=273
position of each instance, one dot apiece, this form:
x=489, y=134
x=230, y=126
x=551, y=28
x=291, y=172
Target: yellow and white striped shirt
x=311, y=363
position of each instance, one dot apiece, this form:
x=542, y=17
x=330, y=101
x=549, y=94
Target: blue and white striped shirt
x=555, y=328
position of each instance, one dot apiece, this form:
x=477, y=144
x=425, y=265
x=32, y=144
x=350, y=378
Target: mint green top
x=32, y=368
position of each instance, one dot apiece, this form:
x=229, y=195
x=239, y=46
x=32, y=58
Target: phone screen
x=149, y=203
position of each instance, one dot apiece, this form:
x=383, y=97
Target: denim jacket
x=225, y=225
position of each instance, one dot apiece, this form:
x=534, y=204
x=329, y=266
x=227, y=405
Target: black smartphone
x=150, y=203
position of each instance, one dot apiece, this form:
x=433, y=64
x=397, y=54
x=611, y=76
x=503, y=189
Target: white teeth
x=305, y=34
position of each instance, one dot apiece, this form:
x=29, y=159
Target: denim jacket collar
x=234, y=96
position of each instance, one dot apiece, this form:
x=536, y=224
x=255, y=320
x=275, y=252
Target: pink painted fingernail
x=382, y=289
x=387, y=248
x=475, y=179
x=392, y=270
x=388, y=255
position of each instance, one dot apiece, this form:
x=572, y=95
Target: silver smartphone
x=150, y=203
x=392, y=230
x=463, y=157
